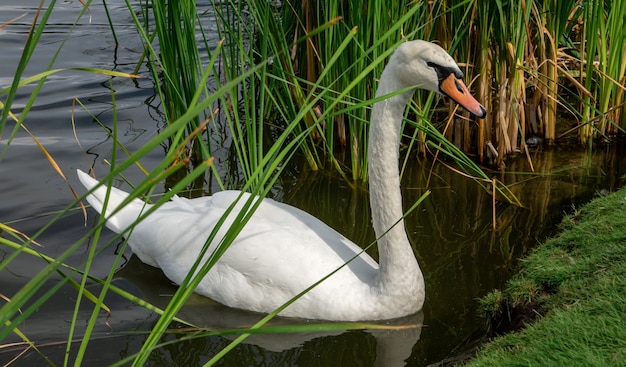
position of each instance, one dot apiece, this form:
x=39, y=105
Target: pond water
x=462, y=257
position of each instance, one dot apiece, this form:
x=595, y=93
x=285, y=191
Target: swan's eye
x=440, y=70
x=444, y=71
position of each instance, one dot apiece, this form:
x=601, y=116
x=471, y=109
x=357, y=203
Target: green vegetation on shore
x=576, y=285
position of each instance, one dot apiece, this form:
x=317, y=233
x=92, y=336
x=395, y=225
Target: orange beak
x=454, y=88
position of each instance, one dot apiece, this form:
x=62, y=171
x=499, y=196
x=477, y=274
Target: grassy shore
x=575, y=286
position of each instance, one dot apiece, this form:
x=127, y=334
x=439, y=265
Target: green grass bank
x=570, y=294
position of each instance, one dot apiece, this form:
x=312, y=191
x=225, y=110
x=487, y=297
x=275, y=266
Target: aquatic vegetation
x=537, y=65
x=286, y=79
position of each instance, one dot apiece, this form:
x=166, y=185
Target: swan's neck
x=399, y=271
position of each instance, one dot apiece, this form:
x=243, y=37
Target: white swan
x=283, y=250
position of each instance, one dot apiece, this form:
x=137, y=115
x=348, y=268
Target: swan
x=283, y=250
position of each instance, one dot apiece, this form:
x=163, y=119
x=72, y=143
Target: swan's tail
x=122, y=218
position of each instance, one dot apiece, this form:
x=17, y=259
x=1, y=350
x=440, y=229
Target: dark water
x=461, y=255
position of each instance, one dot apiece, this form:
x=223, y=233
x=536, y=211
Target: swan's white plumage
x=283, y=250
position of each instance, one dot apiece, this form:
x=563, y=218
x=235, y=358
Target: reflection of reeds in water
x=518, y=228
x=456, y=220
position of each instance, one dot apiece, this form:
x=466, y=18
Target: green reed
x=339, y=62
x=529, y=62
x=611, y=67
x=177, y=69
x=343, y=123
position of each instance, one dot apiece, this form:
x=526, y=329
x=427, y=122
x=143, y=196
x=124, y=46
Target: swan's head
x=428, y=66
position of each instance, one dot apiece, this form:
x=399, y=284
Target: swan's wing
x=270, y=221
x=281, y=251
